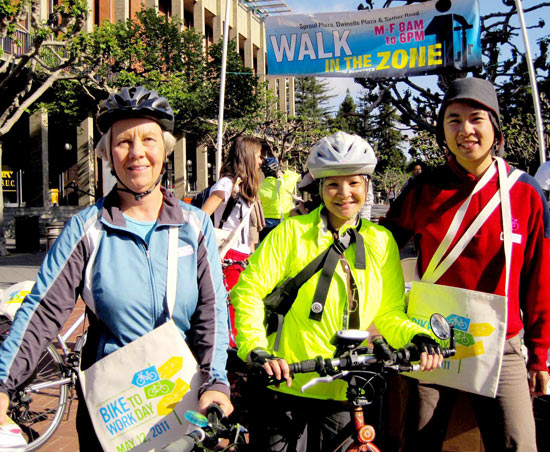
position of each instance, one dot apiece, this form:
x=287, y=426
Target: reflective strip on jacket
x=283, y=254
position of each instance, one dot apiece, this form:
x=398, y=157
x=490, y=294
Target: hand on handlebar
x=273, y=367
x=212, y=396
x=279, y=370
x=430, y=352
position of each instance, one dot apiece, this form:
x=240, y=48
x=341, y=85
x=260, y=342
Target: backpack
x=200, y=198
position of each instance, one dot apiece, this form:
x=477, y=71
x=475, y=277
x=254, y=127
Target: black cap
x=477, y=91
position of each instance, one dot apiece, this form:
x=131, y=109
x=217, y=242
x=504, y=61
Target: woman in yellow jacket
x=365, y=287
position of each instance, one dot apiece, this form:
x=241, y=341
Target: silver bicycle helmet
x=341, y=154
x=135, y=102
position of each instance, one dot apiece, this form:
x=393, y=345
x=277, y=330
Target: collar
x=461, y=173
x=326, y=228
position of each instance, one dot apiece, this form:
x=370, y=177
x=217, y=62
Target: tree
x=382, y=131
x=390, y=180
x=52, y=50
x=290, y=139
x=312, y=96
x=154, y=51
x=243, y=96
x=348, y=119
x=286, y=138
x=517, y=111
x=423, y=146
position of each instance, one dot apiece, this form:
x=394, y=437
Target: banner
x=391, y=42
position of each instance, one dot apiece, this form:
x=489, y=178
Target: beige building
x=61, y=161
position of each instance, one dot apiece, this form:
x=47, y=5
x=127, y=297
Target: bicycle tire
x=42, y=415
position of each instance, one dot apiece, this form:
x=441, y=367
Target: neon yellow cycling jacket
x=278, y=200
x=282, y=255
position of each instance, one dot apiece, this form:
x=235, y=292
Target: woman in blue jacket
x=114, y=255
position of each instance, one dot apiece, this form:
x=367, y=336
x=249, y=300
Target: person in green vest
x=276, y=194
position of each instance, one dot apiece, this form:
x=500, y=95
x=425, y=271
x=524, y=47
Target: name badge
x=516, y=238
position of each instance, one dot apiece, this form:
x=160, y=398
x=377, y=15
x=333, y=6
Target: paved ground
x=18, y=267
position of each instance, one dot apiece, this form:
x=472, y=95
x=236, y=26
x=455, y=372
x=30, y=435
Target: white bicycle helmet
x=341, y=154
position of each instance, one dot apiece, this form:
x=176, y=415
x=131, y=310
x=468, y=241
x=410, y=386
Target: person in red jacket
x=469, y=129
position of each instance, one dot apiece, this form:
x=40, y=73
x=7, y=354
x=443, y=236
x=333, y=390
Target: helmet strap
x=137, y=195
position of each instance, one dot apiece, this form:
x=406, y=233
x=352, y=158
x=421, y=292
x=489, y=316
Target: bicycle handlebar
x=354, y=361
x=207, y=434
x=184, y=444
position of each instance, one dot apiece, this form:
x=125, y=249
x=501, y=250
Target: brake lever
x=327, y=379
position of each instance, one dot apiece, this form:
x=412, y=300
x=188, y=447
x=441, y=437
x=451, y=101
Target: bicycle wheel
x=39, y=405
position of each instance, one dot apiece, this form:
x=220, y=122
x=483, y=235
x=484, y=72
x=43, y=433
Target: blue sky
x=339, y=85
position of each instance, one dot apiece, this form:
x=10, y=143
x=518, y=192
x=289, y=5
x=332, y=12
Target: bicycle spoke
x=40, y=412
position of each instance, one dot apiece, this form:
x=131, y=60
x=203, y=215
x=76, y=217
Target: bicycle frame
x=364, y=433
x=70, y=368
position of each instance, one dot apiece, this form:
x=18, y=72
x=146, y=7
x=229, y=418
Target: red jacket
x=424, y=211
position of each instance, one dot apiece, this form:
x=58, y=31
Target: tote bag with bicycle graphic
x=479, y=318
x=137, y=395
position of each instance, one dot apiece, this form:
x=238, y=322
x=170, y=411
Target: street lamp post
x=222, y=90
x=533, y=79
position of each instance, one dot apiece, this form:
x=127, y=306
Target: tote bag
x=137, y=395
x=479, y=318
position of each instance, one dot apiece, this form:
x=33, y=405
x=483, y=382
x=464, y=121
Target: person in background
x=469, y=128
x=310, y=200
x=114, y=255
x=391, y=195
x=276, y=193
x=542, y=176
x=366, y=210
x=366, y=286
x=231, y=198
x=416, y=170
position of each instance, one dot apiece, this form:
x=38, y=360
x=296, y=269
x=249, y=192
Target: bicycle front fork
x=364, y=433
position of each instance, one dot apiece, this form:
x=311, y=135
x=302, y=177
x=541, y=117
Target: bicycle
x=39, y=405
x=211, y=429
x=366, y=371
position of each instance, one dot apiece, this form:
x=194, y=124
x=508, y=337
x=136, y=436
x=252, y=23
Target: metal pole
x=222, y=90
x=532, y=78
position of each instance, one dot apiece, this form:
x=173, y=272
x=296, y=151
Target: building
x=51, y=165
